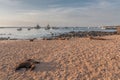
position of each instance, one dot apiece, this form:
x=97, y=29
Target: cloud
x=9, y=3
x=95, y=13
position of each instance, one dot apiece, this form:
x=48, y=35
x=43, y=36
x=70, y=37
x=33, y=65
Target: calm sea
x=25, y=33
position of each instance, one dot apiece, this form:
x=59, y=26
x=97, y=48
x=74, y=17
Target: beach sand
x=74, y=59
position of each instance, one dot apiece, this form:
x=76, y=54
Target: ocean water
x=13, y=33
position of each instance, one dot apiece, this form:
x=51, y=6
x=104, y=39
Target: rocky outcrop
x=80, y=34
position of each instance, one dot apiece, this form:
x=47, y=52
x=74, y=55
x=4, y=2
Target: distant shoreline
x=81, y=34
x=69, y=35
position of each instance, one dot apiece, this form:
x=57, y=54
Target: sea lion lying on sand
x=28, y=64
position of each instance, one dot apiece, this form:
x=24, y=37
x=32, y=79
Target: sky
x=59, y=12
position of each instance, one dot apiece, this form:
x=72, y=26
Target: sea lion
x=28, y=64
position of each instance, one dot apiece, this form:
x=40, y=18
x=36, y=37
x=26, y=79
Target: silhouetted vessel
x=29, y=28
x=55, y=27
x=19, y=29
x=37, y=27
x=48, y=27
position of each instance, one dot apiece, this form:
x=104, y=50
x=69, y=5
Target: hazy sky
x=59, y=12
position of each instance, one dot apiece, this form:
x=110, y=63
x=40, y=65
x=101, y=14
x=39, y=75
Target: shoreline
x=71, y=34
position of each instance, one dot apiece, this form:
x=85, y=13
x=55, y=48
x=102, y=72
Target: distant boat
x=37, y=27
x=48, y=27
x=29, y=28
x=54, y=27
x=19, y=29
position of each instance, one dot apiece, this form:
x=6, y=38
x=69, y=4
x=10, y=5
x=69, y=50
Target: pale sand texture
x=74, y=59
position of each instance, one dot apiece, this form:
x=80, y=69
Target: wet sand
x=74, y=59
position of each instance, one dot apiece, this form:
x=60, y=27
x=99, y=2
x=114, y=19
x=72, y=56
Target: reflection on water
x=29, y=33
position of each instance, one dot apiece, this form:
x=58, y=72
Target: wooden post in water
x=118, y=30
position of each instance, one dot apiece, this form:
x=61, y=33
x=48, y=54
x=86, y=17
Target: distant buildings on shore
x=110, y=27
x=117, y=28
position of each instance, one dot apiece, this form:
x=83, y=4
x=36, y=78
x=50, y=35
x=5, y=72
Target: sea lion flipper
x=32, y=67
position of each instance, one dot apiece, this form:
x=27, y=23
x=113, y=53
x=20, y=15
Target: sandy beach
x=74, y=59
